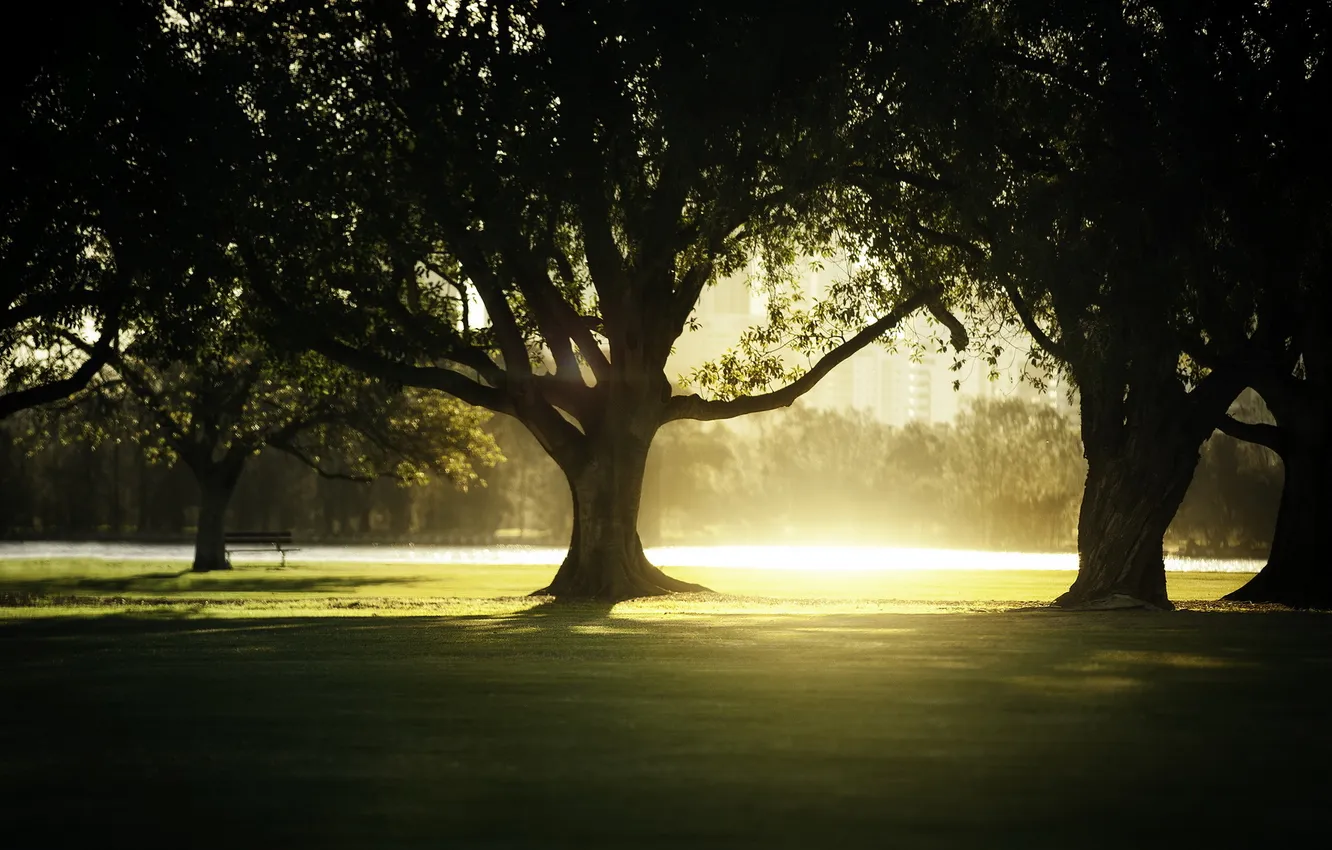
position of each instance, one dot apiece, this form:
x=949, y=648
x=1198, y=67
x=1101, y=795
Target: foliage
x=550, y=167
x=232, y=394
x=1005, y=475
x=121, y=155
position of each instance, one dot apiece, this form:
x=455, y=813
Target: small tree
x=228, y=396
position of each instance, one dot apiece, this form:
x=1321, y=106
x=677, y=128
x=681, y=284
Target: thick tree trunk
x=215, y=490
x=1297, y=573
x=606, y=560
x=1142, y=434
x=1142, y=447
x=1128, y=503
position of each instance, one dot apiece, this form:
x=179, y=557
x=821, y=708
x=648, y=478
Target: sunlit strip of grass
x=58, y=578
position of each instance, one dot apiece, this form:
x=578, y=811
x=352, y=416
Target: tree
x=1069, y=184
x=1295, y=573
x=559, y=169
x=116, y=151
x=1277, y=234
x=231, y=395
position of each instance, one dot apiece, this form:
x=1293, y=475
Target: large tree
x=1069, y=182
x=525, y=201
x=1277, y=235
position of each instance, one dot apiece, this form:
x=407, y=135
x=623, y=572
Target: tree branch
x=476, y=266
x=34, y=306
x=558, y=320
x=288, y=448
x=696, y=407
x=371, y=363
x=426, y=377
x=1028, y=319
x=98, y=355
x=945, y=317
x=1260, y=433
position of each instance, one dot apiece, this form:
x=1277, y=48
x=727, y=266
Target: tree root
x=1110, y=602
x=640, y=581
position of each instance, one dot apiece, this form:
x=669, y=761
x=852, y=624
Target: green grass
x=197, y=718
x=65, y=586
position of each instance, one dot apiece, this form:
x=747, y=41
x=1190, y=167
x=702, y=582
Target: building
x=905, y=380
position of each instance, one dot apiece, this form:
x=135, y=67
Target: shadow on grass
x=801, y=730
x=555, y=614
x=128, y=625
x=188, y=582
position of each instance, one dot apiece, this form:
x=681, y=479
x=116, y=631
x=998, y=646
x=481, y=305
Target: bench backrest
x=258, y=536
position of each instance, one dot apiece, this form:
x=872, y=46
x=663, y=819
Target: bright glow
x=803, y=559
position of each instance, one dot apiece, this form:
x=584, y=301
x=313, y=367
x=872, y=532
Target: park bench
x=270, y=541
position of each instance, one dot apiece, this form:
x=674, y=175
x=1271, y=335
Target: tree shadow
x=29, y=634
x=171, y=584
x=556, y=615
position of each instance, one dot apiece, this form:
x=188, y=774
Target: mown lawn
x=436, y=588
x=719, y=722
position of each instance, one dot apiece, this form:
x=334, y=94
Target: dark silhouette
x=585, y=197
x=1093, y=181
x=116, y=161
x=520, y=205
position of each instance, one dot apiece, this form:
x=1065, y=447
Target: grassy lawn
x=439, y=588
x=216, y=712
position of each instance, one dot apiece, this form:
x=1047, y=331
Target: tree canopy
x=519, y=204
x=119, y=158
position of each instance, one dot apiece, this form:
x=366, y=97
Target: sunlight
x=855, y=558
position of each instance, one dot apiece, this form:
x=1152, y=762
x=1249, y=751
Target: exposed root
x=1110, y=602
x=615, y=585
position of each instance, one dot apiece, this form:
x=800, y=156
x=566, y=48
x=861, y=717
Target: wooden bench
x=279, y=541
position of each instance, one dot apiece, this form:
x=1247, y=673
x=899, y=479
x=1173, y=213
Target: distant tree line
x=1006, y=475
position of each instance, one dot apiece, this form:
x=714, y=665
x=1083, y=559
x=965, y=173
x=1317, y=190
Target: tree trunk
x=1296, y=573
x=1127, y=506
x=1142, y=434
x=606, y=560
x=1142, y=450
x=216, y=487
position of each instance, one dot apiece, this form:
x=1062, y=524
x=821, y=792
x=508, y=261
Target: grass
x=196, y=717
x=70, y=585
